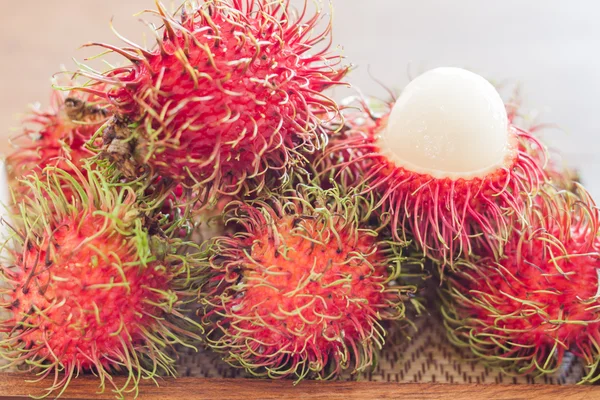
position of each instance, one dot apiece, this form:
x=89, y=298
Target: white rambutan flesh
x=448, y=123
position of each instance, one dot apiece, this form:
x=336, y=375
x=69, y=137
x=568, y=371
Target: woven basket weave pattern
x=428, y=357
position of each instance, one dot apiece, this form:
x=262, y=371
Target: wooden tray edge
x=14, y=386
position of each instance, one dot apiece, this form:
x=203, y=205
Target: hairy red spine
x=524, y=311
x=304, y=288
x=232, y=91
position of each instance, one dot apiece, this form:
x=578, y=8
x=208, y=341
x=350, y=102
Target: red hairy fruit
x=305, y=286
x=446, y=217
x=49, y=138
x=88, y=289
x=540, y=300
x=232, y=91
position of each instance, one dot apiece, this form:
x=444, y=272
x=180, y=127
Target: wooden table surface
x=12, y=387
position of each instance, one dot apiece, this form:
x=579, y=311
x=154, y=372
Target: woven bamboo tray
x=427, y=358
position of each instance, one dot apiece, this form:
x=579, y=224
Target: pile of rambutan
x=208, y=192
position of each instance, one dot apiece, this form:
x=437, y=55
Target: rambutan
x=51, y=137
x=449, y=169
x=89, y=290
x=233, y=90
x=305, y=286
x=524, y=311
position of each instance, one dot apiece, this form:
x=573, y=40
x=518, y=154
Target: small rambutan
x=524, y=311
x=89, y=290
x=51, y=137
x=305, y=286
x=449, y=169
x=233, y=90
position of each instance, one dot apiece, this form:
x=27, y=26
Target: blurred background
x=547, y=47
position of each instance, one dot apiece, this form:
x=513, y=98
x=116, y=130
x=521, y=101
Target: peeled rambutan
x=524, y=311
x=233, y=90
x=451, y=172
x=89, y=290
x=305, y=286
x=49, y=138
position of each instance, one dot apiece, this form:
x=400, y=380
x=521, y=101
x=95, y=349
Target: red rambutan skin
x=300, y=293
x=524, y=311
x=88, y=289
x=49, y=138
x=447, y=218
x=232, y=91
x=93, y=311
